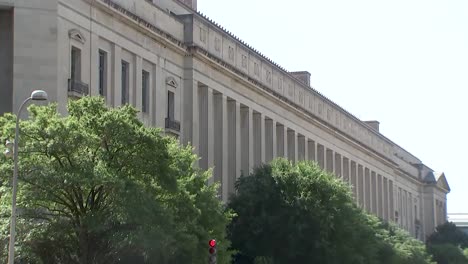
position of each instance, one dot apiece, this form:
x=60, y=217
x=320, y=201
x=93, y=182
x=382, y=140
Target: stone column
x=246, y=139
x=391, y=206
x=274, y=139
x=269, y=140
x=160, y=98
x=280, y=140
x=137, y=86
x=329, y=160
x=195, y=116
x=300, y=147
x=211, y=132
x=346, y=170
x=225, y=150
x=218, y=138
x=354, y=181
x=367, y=190
x=312, y=150
x=116, y=75
x=251, y=141
x=380, y=205
x=338, y=168
x=262, y=138
x=306, y=148
x=374, y=201
x=232, y=146
x=239, y=150
x=386, y=207
x=285, y=144
x=321, y=155
x=292, y=145
x=257, y=138
x=203, y=125
x=361, y=186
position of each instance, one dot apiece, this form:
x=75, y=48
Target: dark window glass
x=144, y=91
x=170, y=105
x=75, y=64
x=102, y=72
x=125, y=83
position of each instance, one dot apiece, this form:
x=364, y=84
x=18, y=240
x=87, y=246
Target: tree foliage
x=298, y=213
x=97, y=186
x=448, y=244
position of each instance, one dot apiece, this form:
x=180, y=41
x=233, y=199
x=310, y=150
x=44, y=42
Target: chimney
x=303, y=76
x=374, y=124
x=190, y=3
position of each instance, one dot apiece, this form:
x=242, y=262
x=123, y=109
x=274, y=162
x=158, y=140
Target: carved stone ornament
x=171, y=82
x=76, y=35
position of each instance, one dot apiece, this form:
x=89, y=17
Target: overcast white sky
x=401, y=62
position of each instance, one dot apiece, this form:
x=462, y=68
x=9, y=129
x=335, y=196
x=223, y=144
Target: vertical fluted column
x=137, y=84
x=285, y=140
x=238, y=128
x=306, y=148
x=312, y=150
x=329, y=160
x=380, y=205
x=116, y=75
x=360, y=185
x=195, y=117
x=321, y=156
x=244, y=119
x=224, y=149
x=203, y=126
x=210, y=128
x=251, y=140
x=367, y=190
x=232, y=145
x=262, y=138
x=274, y=139
x=386, y=206
x=279, y=140
x=338, y=166
x=218, y=138
x=257, y=138
x=354, y=181
x=374, y=203
x=391, y=204
x=346, y=170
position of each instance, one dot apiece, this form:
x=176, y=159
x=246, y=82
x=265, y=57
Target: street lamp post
x=36, y=95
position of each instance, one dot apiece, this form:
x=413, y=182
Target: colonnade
x=233, y=138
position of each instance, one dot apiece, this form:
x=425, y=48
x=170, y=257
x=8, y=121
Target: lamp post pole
x=37, y=95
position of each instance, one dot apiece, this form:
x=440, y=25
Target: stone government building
x=192, y=77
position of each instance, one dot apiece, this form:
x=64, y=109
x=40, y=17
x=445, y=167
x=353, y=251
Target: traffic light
x=212, y=251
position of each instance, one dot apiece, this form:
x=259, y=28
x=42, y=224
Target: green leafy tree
x=298, y=213
x=447, y=244
x=97, y=186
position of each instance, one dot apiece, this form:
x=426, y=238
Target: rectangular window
x=75, y=64
x=144, y=91
x=102, y=72
x=125, y=82
x=170, y=105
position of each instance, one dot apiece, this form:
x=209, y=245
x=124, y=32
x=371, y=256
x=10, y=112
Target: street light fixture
x=36, y=95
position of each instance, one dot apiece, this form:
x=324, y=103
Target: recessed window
x=144, y=91
x=75, y=64
x=102, y=72
x=125, y=82
x=170, y=105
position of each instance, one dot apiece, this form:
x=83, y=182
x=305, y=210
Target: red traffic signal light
x=212, y=251
x=212, y=243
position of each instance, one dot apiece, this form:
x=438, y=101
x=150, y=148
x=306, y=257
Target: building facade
x=200, y=83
